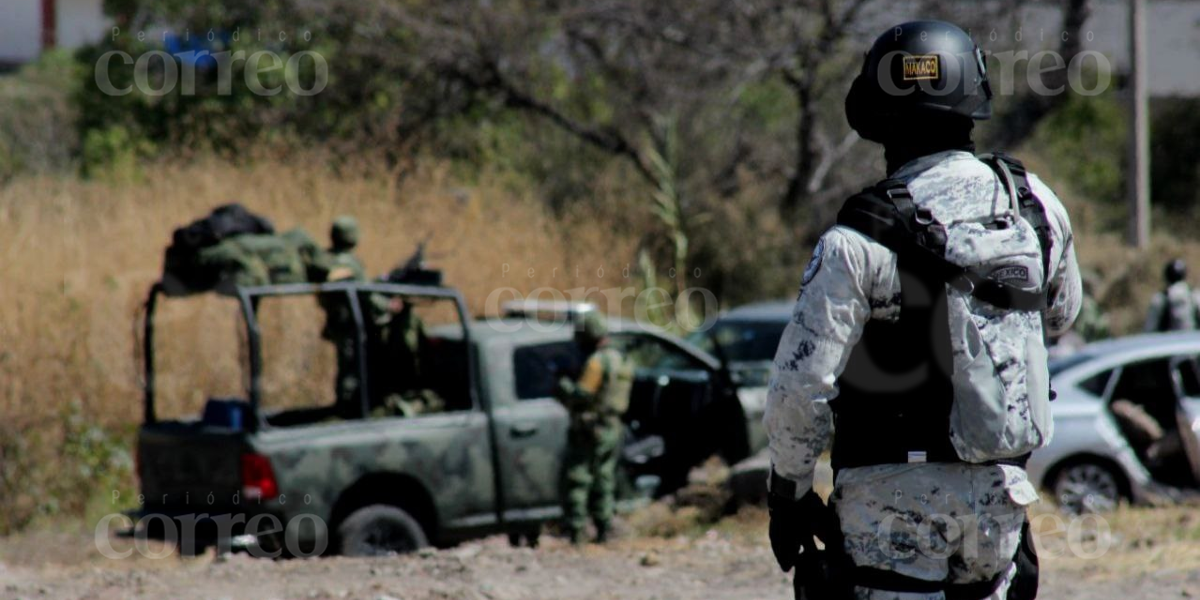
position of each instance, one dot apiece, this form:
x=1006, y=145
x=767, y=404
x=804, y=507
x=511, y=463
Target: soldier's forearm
x=572, y=395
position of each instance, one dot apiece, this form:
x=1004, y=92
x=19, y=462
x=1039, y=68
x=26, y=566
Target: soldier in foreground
x=596, y=401
x=339, y=322
x=1176, y=308
x=918, y=337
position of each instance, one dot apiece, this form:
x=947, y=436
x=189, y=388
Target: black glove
x=792, y=522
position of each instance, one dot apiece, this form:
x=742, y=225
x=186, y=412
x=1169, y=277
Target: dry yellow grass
x=1119, y=544
x=79, y=256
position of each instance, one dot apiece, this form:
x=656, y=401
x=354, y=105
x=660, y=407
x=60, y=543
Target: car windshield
x=741, y=341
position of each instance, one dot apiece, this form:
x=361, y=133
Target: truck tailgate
x=190, y=468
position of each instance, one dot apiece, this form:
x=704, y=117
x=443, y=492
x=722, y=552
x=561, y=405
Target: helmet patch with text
x=925, y=66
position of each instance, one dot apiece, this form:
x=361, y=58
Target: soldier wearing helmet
x=596, y=399
x=1176, y=307
x=963, y=263
x=343, y=238
x=339, y=322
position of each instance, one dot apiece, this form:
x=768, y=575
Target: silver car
x=1091, y=463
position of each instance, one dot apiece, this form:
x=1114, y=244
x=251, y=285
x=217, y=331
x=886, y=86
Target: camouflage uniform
x=1092, y=323
x=400, y=379
x=1173, y=309
x=937, y=522
x=596, y=401
x=339, y=321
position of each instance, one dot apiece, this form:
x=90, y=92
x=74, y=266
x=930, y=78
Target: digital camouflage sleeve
x=849, y=280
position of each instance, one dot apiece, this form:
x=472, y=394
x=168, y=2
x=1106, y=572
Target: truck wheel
x=380, y=530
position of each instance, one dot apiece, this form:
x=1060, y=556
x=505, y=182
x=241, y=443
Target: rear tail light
x=258, y=480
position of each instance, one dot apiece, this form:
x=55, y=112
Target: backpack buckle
x=963, y=284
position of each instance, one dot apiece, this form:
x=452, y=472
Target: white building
x=28, y=27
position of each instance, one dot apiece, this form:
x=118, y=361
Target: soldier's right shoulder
x=846, y=239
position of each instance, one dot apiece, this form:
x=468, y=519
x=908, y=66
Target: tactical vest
x=613, y=397
x=895, y=396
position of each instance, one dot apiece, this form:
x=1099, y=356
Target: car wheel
x=1087, y=487
x=380, y=530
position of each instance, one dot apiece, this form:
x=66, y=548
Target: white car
x=1090, y=463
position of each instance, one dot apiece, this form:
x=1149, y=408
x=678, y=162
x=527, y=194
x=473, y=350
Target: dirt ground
x=731, y=560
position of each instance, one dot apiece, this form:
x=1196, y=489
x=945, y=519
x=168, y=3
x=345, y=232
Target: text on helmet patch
x=924, y=66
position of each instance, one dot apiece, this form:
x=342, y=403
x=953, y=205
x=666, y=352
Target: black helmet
x=918, y=70
x=1175, y=271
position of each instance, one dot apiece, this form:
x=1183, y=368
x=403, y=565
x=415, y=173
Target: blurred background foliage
x=554, y=95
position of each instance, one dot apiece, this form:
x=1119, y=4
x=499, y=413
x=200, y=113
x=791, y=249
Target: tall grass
x=79, y=256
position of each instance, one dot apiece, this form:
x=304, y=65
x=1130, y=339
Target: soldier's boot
x=576, y=537
x=602, y=533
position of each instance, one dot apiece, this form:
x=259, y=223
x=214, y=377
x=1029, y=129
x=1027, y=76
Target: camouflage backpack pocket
x=1001, y=386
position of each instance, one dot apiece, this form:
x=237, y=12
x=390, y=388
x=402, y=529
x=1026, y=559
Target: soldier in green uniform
x=339, y=322
x=596, y=401
x=343, y=238
x=1092, y=324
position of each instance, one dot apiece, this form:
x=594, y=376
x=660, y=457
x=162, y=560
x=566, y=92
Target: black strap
x=887, y=214
x=1032, y=209
x=1024, y=585
x=876, y=457
x=891, y=581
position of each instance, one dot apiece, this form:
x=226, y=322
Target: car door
x=1155, y=386
x=1185, y=371
x=679, y=413
x=531, y=425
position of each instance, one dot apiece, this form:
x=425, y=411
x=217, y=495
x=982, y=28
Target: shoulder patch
x=814, y=264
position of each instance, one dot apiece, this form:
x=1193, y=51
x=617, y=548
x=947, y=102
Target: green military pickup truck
x=365, y=477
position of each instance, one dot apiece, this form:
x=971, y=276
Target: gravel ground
x=714, y=565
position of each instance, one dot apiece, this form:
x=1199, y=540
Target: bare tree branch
x=828, y=159
x=607, y=139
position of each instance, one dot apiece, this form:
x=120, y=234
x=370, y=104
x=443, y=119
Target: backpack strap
x=1015, y=178
x=887, y=214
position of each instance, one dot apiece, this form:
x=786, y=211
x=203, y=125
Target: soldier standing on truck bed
x=596, y=401
x=339, y=322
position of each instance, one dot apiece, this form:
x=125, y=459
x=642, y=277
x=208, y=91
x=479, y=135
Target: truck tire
x=380, y=530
